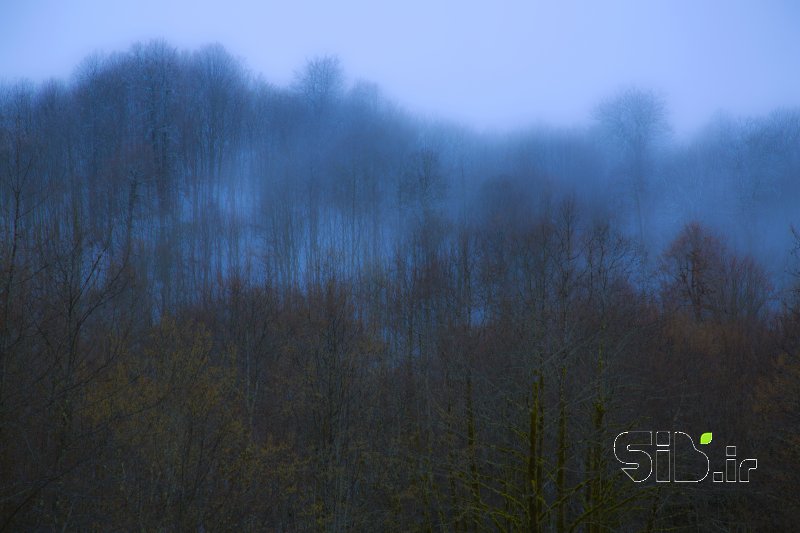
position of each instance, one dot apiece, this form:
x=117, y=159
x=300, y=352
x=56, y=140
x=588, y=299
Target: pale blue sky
x=489, y=64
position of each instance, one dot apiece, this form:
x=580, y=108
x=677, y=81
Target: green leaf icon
x=705, y=438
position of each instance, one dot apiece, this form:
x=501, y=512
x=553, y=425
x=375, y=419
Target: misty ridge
x=231, y=305
x=197, y=138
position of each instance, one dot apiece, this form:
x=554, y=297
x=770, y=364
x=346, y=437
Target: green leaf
x=705, y=438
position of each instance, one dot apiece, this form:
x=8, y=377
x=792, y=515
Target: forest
x=229, y=305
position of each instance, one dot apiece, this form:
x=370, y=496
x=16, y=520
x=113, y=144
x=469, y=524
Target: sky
x=493, y=65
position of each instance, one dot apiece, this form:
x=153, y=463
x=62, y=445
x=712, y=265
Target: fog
x=416, y=267
x=495, y=66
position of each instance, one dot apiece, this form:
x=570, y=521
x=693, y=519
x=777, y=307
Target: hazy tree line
x=230, y=305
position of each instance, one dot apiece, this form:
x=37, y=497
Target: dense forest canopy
x=227, y=304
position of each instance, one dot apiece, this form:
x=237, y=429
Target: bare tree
x=635, y=120
x=320, y=83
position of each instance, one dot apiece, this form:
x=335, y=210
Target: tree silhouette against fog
x=635, y=120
